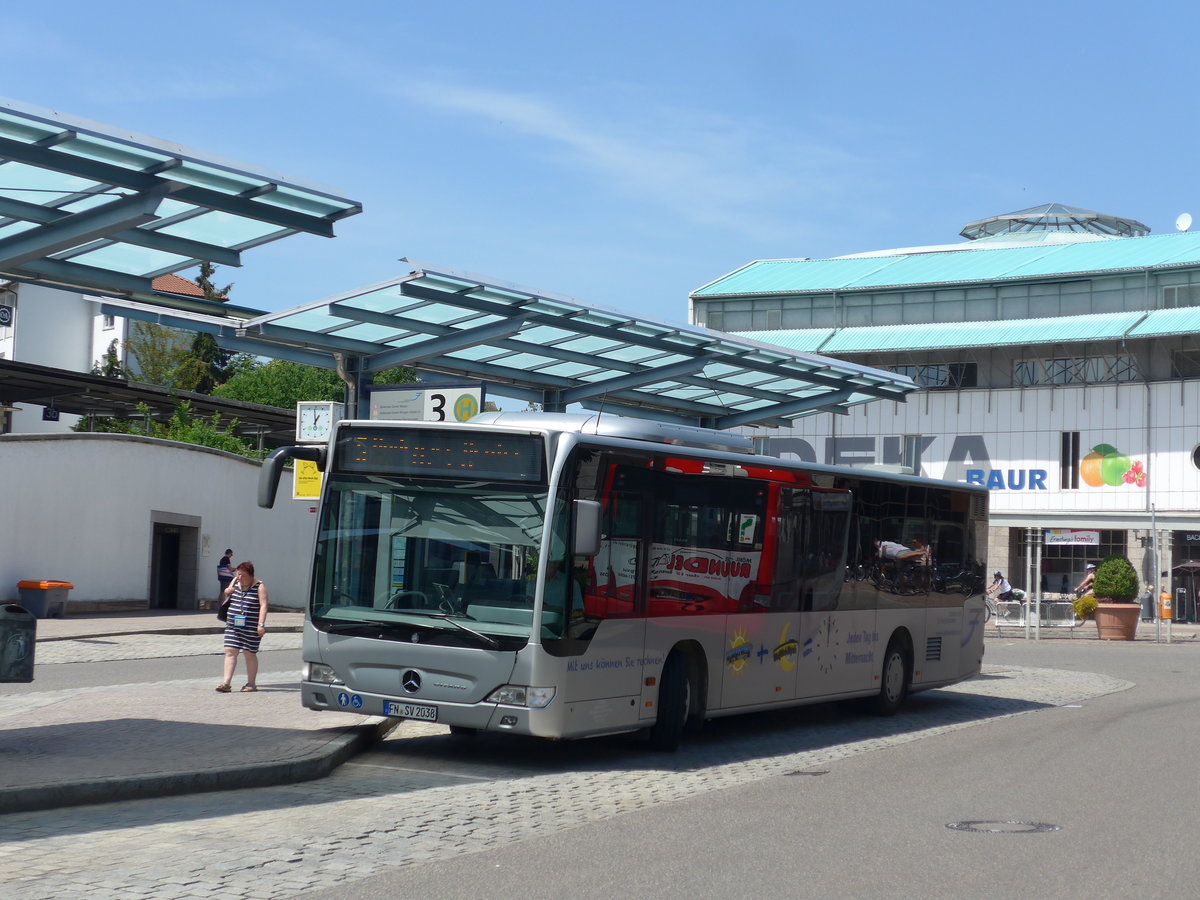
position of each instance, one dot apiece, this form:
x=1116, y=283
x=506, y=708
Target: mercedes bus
x=572, y=575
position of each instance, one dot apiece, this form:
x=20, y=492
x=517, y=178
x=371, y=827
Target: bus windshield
x=460, y=556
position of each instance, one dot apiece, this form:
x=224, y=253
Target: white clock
x=315, y=418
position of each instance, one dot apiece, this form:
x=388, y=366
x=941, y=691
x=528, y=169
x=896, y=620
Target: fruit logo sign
x=1108, y=466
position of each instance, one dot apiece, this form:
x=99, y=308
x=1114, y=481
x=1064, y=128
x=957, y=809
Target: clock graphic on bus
x=828, y=641
x=315, y=418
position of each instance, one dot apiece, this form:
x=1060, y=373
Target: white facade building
x=1060, y=357
x=130, y=521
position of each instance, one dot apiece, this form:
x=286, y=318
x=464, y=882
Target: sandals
x=249, y=689
x=223, y=688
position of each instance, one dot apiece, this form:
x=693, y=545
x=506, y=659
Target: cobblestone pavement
x=425, y=795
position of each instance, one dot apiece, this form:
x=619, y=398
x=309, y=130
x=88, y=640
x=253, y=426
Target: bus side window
x=612, y=574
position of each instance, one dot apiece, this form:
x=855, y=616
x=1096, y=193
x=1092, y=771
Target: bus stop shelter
x=547, y=349
x=96, y=209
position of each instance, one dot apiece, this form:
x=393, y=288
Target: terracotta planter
x=1117, y=621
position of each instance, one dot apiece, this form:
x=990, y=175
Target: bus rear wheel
x=674, y=703
x=897, y=674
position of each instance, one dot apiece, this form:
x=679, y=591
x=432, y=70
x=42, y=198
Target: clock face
x=315, y=422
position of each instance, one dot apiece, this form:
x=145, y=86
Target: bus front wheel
x=897, y=673
x=674, y=703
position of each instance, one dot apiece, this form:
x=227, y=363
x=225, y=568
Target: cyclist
x=1000, y=589
x=1088, y=577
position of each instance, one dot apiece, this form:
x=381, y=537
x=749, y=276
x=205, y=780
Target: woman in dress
x=244, y=626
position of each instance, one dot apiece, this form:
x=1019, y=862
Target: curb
x=226, y=778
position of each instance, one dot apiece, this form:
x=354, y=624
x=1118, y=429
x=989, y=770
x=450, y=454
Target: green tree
x=211, y=366
x=179, y=359
x=110, y=366
x=160, y=354
x=282, y=383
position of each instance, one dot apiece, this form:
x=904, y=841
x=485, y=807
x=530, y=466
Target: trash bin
x=45, y=598
x=18, y=637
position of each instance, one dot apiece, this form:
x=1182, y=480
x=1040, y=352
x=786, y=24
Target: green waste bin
x=45, y=598
x=18, y=638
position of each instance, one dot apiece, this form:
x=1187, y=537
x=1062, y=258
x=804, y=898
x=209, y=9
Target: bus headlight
x=320, y=674
x=521, y=695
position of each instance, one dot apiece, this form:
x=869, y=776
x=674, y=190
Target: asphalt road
x=819, y=802
x=57, y=677
x=1106, y=788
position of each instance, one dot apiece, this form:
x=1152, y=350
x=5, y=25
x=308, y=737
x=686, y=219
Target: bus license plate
x=410, y=711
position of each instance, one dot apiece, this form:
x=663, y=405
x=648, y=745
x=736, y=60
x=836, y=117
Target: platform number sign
x=427, y=403
x=6, y=316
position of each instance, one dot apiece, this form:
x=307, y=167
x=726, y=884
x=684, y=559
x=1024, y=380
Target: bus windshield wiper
x=486, y=638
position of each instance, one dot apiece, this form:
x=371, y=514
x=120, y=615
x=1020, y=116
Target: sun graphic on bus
x=739, y=652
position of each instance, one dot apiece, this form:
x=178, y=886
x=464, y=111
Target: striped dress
x=244, y=603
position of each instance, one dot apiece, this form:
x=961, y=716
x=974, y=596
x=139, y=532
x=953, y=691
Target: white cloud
x=710, y=169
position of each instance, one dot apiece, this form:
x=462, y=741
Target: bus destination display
x=436, y=453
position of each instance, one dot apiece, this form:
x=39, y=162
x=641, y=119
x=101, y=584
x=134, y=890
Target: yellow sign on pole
x=306, y=485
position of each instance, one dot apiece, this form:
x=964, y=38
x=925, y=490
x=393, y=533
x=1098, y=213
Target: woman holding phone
x=245, y=625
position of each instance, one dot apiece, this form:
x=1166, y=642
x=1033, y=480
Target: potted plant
x=1115, y=589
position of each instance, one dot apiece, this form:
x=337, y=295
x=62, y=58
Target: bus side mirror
x=587, y=527
x=272, y=468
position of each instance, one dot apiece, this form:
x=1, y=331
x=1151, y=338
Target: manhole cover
x=1008, y=827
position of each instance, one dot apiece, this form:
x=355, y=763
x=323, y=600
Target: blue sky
x=628, y=153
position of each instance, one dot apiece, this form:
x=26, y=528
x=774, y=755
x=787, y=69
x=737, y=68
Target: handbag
x=223, y=609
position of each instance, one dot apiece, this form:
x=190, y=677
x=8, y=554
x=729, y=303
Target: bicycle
x=992, y=608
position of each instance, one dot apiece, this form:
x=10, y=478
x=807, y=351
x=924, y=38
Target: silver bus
x=567, y=576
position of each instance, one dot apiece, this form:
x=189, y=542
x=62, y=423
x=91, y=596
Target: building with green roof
x=1054, y=345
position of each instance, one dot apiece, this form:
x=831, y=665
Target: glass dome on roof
x=1055, y=217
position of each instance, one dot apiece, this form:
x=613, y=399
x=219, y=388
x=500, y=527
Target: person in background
x=1085, y=585
x=224, y=574
x=245, y=626
x=1000, y=589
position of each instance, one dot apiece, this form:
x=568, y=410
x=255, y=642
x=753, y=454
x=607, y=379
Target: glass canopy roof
x=557, y=351
x=88, y=206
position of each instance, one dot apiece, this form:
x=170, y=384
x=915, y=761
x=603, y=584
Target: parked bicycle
x=948, y=578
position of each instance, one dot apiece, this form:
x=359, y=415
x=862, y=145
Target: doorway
x=173, y=561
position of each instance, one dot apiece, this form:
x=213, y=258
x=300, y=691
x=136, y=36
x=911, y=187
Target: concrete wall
x=85, y=508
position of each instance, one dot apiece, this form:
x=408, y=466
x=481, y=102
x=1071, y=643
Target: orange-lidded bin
x=44, y=598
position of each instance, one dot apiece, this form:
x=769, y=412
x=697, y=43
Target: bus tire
x=674, y=702
x=894, y=680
